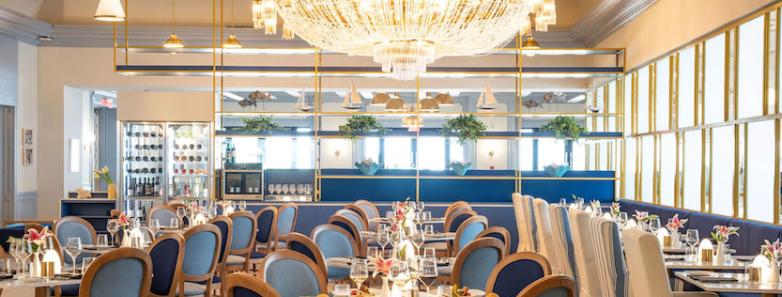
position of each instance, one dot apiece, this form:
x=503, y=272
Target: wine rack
x=188, y=161
x=143, y=160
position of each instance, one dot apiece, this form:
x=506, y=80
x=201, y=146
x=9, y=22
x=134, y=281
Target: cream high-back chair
x=545, y=238
x=525, y=223
x=584, y=251
x=563, y=240
x=611, y=265
x=648, y=276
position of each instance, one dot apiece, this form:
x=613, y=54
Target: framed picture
x=27, y=156
x=27, y=138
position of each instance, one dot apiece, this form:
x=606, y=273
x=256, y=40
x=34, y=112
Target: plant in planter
x=260, y=124
x=368, y=166
x=460, y=168
x=361, y=124
x=564, y=127
x=466, y=127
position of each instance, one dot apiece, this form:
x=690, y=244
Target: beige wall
x=165, y=106
x=670, y=24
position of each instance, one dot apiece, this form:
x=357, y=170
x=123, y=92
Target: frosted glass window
x=692, y=169
x=686, y=103
x=431, y=153
x=579, y=156
x=525, y=154
x=612, y=106
x=372, y=149
x=279, y=152
x=397, y=153
x=643, y=100
x=667, y=168
x=628, y=98
x=604, y=162
x=550, y=151
x=722, y=139
x=760, y=171
x=250, y=151
x=456, y=150
x=303, y=149
x=630, y=168
x=751, y=68
x=662, y=113
x=714, y=71
x=647, y=168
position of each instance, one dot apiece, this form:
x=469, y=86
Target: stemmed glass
x=181, y=212
x=291, y=189
x=382, y=240
x=654, y=225
x=15, y=248
x=154, y=227
x=399, y=273
x=27, y=251
x=692, y=239
x=73, y=248
x=112, y=226
x=278, y=189
x=271, y=189
x=359, y=272
x=428, y=273
x=418, y=240
x=307, y=189
x=300, y=189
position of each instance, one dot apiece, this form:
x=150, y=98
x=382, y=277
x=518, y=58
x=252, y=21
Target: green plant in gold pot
x=361, y=124
x=466, y=127
x=260, y=124
x=564, y=127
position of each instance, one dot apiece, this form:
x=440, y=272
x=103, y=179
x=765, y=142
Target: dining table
x=724, y=282
x=431, y=221
x=444, y=265
x=428, y=237
x=678, y=262
x=40, y=285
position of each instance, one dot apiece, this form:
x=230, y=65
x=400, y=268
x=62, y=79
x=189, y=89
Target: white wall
x=76, y=111
x=27, y=118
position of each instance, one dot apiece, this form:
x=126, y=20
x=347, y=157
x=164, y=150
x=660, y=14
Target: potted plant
x=368, y=166
x=564, y=127
x=260, y=124
x=460, y=168
x=466, y=127
x=361, y=124
x=105, y=175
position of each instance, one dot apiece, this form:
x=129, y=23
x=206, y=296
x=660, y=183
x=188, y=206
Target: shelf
x=313, y=50
x=423, y=132
x=88, y=200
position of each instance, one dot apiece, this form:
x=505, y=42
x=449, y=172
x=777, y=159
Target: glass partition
x=760, y=171
x=667, y=168
x=750, y=68
x=723, y=156
x=714, y=80
x=693, y=143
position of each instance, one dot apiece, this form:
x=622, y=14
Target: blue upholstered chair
x=167, y=254
x=246, y=285
x=355, y=216
x=242, y=241
x=286, y=222
x=163, y=214
x=516, y=272
x=302, y=244
x=266, y=234
x=455, y=219
x=551, y=286
x=499, y=233
x=72, y=226
x=468, y=232
x=334, y=241
x=124, y=272
x=202, y=249
x=611, y=265
x=345, y=223
x=225, y=225
x=292, y=274
x=371, y=211
x=563, y=244
x=475, y=262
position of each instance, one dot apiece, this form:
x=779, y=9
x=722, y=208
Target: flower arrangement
x=615, y=209
x=722, y=233
x=368, y=166
x=382, y=266
x=104, y=174
x=676, y=223
x=37, y=239
x=123, y=220
x=643, y=217
x=771, y=250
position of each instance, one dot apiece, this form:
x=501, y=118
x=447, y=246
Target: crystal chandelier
x=404, y=36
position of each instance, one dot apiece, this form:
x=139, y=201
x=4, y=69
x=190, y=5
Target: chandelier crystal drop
x=404, y=36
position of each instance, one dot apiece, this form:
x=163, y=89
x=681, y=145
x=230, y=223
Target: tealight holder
x=667, y=241
x=753, y=274
x=707, y=255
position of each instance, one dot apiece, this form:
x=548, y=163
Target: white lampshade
x=631, y=224
x=661, y=234
x=760, y=261
x=110, y=11
x=705, y=244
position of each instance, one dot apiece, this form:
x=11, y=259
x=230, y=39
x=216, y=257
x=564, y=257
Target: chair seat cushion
x=69, y=290
x=194, y=289
x=257, y=255
x=234, y=260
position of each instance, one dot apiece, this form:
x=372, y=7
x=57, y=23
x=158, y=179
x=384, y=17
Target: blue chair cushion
x=242, y=292
x=478, y=266
x=121, y=278
x=292, y=278
x=302, y=249
x=264, y=221
x=242, y=233
x=164, y=261
x=257, y=255
x=516, y=276
x=223, y=238
x=335, y=244
x=199, y=253
x=285, y=223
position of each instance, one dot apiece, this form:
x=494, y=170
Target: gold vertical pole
x=766, y=66
x=710, y=186
x=417, y=137
x=776, y=170
x=736, y=169
x=127, y=36
x=519, y=106
x=677, y=184
x=746, y=168
x=114, y=53
x=316, y=127
x=220, y=98
x=656, y=170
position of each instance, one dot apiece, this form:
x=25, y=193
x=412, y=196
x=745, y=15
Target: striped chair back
x=525, y=223
x=584, y=250
x=563, y=240
x=545, y=238
x=611, y=265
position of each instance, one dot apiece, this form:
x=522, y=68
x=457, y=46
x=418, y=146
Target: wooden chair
x=334, y=241
x=266, y=236
x=174, y=204
x=505, y=279
x=351, y=228
x=279, y=265
x=370, y=209
x=551, y=286
x=363, y=214
x=287, y=215
x=100, y=278
x=241, y=248
x=166, y=276
x=248, y=285
x=455, y=205
x=73, y=226
x=468, y=232
x=302, y=244
x=225, y=225
x=473, y=276
x=202, y=243
x=497, y=232
x=164, y=214
x=354, y=217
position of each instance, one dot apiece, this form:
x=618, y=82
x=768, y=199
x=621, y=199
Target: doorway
x=6, y=163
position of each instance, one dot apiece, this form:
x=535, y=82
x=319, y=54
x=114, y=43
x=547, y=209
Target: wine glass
x=300, y=189
x=174, y=223
x=692, y=238
x=382, y=240
x=15, y=248
x=372, y=252
x=623, y=217
x=278, y=189
x=308, y=189
x=85, y=263
x=428, y=273
x=181, y=212
x=27, y=251
x=430, y=252
x=112, y=226
x=359, y=272
x=428, y=229
x=421, y=206
x=242, y=205
x=418, y=239
x=399, y=273
x=73, y=248
x=654, y=225
x=154, y=227
x=291, y=189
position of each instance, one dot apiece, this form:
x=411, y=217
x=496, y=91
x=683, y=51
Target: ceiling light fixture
x=110, y=11
x=428, y=105
x=412, y=123
x=380, y=99
x=444, y=99
x=232, y=41
x=396, y=104
x=173, y=40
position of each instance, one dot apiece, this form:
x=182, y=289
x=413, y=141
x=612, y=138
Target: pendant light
x=396, y=104
x=173, y=40
x=110, y=11
x=428, y=104
x=232, y=41
x=444, y=99
x=380, y=99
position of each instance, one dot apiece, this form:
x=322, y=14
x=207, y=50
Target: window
x=398, y=153
x=612, y=106
x=372, y=149
x=598, y=102
x=431, y=153
x=692, y=170
x=526, y=154
x=579, y=156
x=667, y=168
x=643, y=100
x=662, y=112
x=722, y=145
x=303, y=149
x=550, y=151
x=456, y=153
x=279, y=153
x=714, y=72
x=251, y=149
x=628, y=98
x=750, y=66
x=760, y=171
x=647, y=166
x=630, y=168
x=686, y=99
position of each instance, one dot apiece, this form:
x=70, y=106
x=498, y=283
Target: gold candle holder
x=707, y=255
x=753, y=274
x=667, y=241
x=47, y=269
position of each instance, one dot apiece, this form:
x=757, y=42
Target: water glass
x=103, y=241
x=174, y=223
x=389, y=215
x=154, y=227
x=692, y=238
x=654, y=225
x=112, y=226
x=427, y=216
x=428, y=229
x=242, y=205
x=85, y=263
x=428, y=273
x=372, y=252
x=359, y=272
x=430, y=253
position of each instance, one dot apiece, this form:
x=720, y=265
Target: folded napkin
x=713, y=278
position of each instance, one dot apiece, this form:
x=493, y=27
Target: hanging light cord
x=173, y=15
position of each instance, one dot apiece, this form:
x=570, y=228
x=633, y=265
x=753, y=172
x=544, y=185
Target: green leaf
x=564, y=127
x=466, y=127
x=260, y=124
x=361, y=124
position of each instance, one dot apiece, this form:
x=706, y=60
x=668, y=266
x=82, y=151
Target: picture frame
x=27, y=156
x=27, y=138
